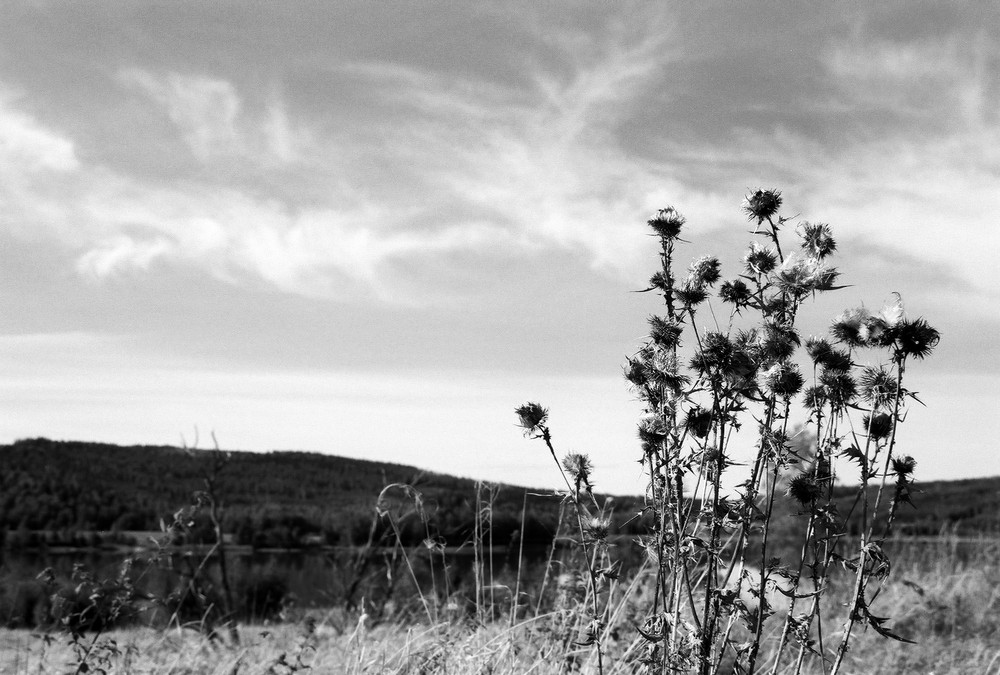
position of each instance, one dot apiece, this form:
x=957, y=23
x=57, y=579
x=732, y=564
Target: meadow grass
x=948, y=604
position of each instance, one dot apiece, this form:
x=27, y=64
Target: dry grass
x=950, y=608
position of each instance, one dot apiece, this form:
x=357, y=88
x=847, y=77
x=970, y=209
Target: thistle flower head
x=531, y=417
x=635, y=371
x=691, y=293
x=801, y=275
x=660, y=281
x=823, y=354
x=762, y=204
x=878, y=386
x=721, y=355
x=578, y=466
x=735, y=293
x=598, y=528
x=665, y=332
x=879, y=426
x=760, y=259
x=783, y=379
x=804, y=489
x=849, y=327
x=915, y=338
x=699, y=421
x=777, y=342
x=652, y=428
x=903, y=466
x=839, y=387
x=817, y=239
x=814, y=398
x=705, y=270
x=667, y=223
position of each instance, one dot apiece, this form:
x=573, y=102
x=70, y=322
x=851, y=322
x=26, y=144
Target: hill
x=274, y=499
x=283, y=499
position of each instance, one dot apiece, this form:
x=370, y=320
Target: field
x=945, y=597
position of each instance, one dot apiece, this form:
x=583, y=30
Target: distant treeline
x=294, y=499
x=269, y=500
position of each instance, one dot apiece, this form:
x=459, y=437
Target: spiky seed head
x=578, y=466
x=878, y=386
x=691, y=293
x=817, y=239
x=915, y=338
x=879, y=426
x=777, y=342
x=761, y=204
x=699, y=421
x=531, y=417
x=783, y=379
x=814, y=398
x=804, y=489
x=903, y=466
x=635, y=371
x=839, y=387
x=760, y=259
x=848, y=326
x=667, y=223
x=598, y=528
x=705, y=270
x=652, y=428
x=665, y=332
x=736, y=293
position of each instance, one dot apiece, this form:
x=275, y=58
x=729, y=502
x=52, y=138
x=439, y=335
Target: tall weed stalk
x=722, y=595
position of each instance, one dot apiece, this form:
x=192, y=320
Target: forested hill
x=285, y=499
x=270, y=499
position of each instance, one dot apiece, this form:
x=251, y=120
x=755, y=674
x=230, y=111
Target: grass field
x=949, y=604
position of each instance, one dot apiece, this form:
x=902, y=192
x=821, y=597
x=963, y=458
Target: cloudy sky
x=373, y=229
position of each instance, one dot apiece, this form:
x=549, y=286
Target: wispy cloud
x=476, y=167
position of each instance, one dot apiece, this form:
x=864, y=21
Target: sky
x=374, y=229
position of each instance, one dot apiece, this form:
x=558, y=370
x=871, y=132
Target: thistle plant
x=723, y=598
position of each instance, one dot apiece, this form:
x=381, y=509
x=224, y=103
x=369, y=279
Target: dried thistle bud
x=839, y=387
x=878, y=386
x=903, y=466
x=635, y=371
x=823, y=354
x=667, y=223
x=665, y=332
x=800, y=275
x=578, y=466
x=814, y=397
x=760, y=259
x=783, y=379
x=915, y=338
x=804, y=489
x=692, y=293
x=762, y=204
x=778, y=343
x=531, y=417
x=849, y=327
x=879, y=426
x=699, y=421
x=660, y=281
x=705, y=270
x=598, y=528
x=817, y=239
x=652, y=429
x=735, y=293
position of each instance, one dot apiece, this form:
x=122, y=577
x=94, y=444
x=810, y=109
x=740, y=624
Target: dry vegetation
x=949, y=607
